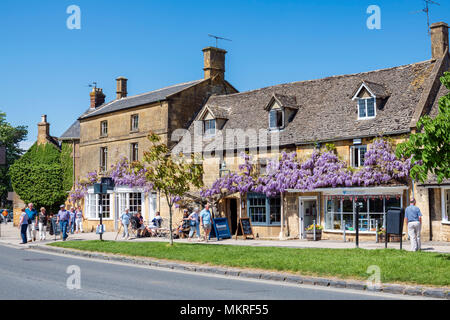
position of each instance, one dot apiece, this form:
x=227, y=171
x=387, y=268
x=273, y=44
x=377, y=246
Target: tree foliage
x=430, y=145
x=171, y=175
x=39, y=177
x=10, y=137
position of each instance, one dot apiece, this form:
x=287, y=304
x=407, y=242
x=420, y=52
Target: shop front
x=340, y=210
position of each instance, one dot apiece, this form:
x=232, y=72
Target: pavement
x=9, y=236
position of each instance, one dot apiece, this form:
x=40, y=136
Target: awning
x=356, y=191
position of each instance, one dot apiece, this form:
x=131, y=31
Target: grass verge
x=422, y=268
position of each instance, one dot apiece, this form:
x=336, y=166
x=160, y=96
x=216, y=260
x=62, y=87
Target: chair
x=163, y=231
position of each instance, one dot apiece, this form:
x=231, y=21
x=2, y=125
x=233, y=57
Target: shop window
x=132, y=201
x=446, y=205
x=263, y=210
x=93, y=202
x=341, y=213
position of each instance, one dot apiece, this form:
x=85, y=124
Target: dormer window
x=367, y=96
x=282, y=110
x=209, y=127
x=366, y=108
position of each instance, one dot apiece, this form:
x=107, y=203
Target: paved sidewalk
x=11, y=235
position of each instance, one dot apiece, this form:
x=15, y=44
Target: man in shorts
x=206, y=221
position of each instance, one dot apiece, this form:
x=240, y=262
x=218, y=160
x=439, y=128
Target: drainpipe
x=73, y=162
x=282, y=216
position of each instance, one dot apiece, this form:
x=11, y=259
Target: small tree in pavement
x=172, y=176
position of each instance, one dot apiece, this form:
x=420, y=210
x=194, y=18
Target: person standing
x=79, y=218
x=5, y=216
x=413, y=219
x=125, y=220
x=23, y=226
x=195, y=225
x=42, y=224
x=64, y=221
x=206, y=221
x=32, y=221
x=72, y=220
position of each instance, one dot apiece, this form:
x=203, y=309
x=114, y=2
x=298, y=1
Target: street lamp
x=102, y=189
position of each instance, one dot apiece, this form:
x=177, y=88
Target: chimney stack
x=97, y=98
x=439, y=39
x=214, y=63
x=43, y=131
x=121, y=87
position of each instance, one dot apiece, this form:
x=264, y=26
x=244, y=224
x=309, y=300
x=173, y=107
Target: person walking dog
x=23, y=226
x=413, y=219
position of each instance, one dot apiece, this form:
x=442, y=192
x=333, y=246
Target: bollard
x=314, y=223
x=376, y=231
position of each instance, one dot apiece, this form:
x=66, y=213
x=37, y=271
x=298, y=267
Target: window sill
x=265, y=225
x=446, y=223
x=134, y=131
x=349, y=232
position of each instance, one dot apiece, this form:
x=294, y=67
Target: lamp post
x=102, y=189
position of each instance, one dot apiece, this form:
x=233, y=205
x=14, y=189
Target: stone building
x=108, y=131
x=348, y=111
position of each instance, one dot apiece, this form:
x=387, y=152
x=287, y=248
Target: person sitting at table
x=155, y=225
x=184, y=225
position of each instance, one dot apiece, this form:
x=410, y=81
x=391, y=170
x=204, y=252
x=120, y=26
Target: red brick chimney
x=97, y=98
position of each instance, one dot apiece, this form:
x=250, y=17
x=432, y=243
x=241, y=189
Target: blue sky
x=45, y=67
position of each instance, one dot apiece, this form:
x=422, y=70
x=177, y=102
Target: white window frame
x=94, y=214
x=134, y=123
x=132, y=150
x=277, y=128
x=103, y=156
x=354, y=149
x=445, y=218
x=209, y=132
x=366, y=108
x=104, y=128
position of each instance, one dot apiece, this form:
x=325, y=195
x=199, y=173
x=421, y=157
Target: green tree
x=430, y=146
x=39, y=177
x=10, y=137
x=173, y=176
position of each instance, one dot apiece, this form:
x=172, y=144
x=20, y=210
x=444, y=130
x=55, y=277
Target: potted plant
x=391, y=238
x=310, y=232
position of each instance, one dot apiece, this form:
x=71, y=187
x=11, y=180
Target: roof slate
x=72, y=133
x=326, y=110
x=139, y=100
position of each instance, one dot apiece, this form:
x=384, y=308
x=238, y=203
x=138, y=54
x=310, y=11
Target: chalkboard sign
x=245, y=228
x=394, y=221
x=221, y=230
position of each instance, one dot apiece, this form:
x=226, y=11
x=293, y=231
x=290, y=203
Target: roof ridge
x=322, y=79
x=138, y=95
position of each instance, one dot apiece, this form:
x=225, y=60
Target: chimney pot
x=121, y=87
x=97, y=98
x=439, y=39
x=214, y=63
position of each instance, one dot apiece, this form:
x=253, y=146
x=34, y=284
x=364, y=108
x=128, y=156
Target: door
x=307, y=214
x=233, y=215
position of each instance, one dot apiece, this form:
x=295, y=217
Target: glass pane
x=447, y=205
x=362, y=108
x=333, y=209
x=279, y=119
x=275, y=210
x=355, y=157
x=273, y=119
x=371, y=107
x=362, y=155
x=392, y=202
x=376, y=206
x=347, y=206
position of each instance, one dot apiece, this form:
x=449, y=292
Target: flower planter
x=310, y=235
x=392, y=238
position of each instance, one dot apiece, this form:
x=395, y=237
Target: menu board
x=245, y=228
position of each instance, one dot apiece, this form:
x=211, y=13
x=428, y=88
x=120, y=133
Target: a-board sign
x=245, y=228
x=394, y=221
x=221, y=229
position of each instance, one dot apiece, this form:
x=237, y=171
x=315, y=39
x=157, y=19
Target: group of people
x=32, y=221
x=194, y=220
x=190, y=221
